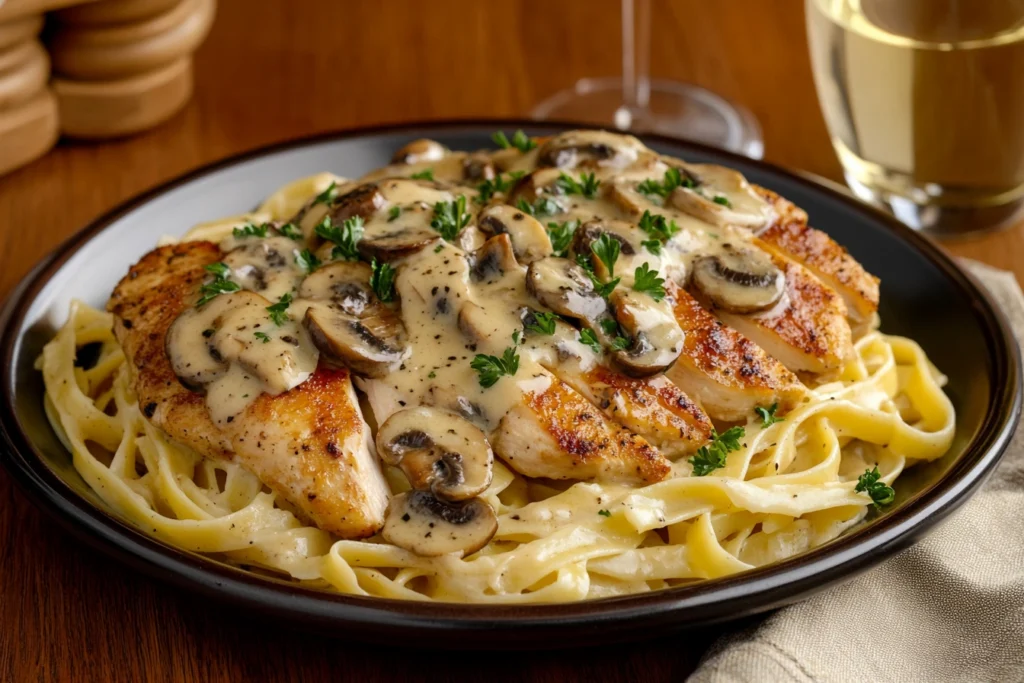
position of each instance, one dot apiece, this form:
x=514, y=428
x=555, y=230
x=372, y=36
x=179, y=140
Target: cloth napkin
x=950, y=608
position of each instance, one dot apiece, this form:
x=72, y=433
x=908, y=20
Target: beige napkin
x=950, y=608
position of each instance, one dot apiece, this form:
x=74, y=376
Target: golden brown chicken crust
x=575, y=441
x=315, y=452
x=655, y=408
x=791, y=236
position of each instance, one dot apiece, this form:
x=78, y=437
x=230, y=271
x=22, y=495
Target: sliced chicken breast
x=310, y=444
x=724, y=371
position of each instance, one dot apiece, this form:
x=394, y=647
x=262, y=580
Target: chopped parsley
x=656, y=226
x=328, y=195
x=278, y=311
x=307, y=260
x=394, y=213
x=432, y=375
x=219, y=285
x=590, y=339
x=561, y=235
x=489, y=188
x=520, y=141
x=620, y=340
x=647, y=281
x=450, y=217
x=542, y=206
x=517, y=337
x=723, y=200
x=290, y=231
x=713, y=455
x=587, y=184
x=262, y=336
x=492, y=368
x=767, y=415
x=672, y=179
x=382, y=280
x=603, y=289
x=250, y=230
x=541, y=322
x=438, y=248
x=428, y=174
x=345, y=238
x=653, y=246
x=604, y=513
x=880, y=492
x=606, y=248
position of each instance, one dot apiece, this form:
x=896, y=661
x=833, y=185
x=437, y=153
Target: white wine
x=924, y=100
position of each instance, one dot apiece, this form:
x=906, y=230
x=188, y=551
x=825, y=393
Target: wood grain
x=277, y=69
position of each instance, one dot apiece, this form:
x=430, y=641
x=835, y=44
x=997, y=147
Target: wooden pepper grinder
x=122, y=66
x=28, y=110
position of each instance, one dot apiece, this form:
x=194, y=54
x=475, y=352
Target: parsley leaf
x=542, y=206
x=489, y=188
x=289, y=230
x=328, y=195
x=606, y=248
x=219, y=285
x=767, y=415
x=653, y=246
x=250, y=230
x=657, y=227
x=672, y=179
x=561, y=235
x=587, y=184
x=723, y=200
x=427, y=174
x=880, y=492
x=520, y=141
x=491, y=368
x=262, y=336
x=604, y=513
x=278, y=311
x=307, y=260
x=382, y=280
x=620, y=340
x=713, y=455
x=450, y=217
x=541, y=322
x=394, y=213
x=590, y=339
x=620, y=343
x=647, y=280
x=603, y=289
x=344, y=238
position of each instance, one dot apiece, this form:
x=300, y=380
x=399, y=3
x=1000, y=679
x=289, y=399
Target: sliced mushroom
x=202, y=342
x=540, y=189
x=739, y=279
x=477, y=166
x=349, y=324
x=351, y=200
x=419, y=150
x=427, y=526
x=722, y=197
x=530, y=240
x=655, y=339
x=565, y=288
x=493, y=260
x=591, y=148
x=632, y=253
x=396, y=243
x=265, y=266
x=439, y=451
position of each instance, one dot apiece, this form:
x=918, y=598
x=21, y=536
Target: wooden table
x=277, y=69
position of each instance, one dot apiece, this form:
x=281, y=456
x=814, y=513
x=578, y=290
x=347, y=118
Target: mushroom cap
x=565, y=288
x=427, y=526
x=493, y=260
x=656, y=339
x=438, y=450
x=739, y=279
x=738, y=203
x=530, y=240
x=422, y=149
x=349, y=324
x=591, y=148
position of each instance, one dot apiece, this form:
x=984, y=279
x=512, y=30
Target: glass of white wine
x=924, y=100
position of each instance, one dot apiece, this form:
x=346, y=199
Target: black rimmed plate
x=924, y=296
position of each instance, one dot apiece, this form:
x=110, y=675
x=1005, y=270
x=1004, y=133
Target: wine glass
x=637, y=103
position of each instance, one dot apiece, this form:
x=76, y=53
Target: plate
x=924, y=295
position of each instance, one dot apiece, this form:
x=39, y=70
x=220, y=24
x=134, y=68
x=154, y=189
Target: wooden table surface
x=277, y=69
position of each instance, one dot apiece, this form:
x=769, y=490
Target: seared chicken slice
x=726, y=373
x=556, y=433
x=310, y=444
x=790, y=236
x=805, y=330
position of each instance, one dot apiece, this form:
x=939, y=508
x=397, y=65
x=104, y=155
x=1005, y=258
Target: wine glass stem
x=636, y=55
